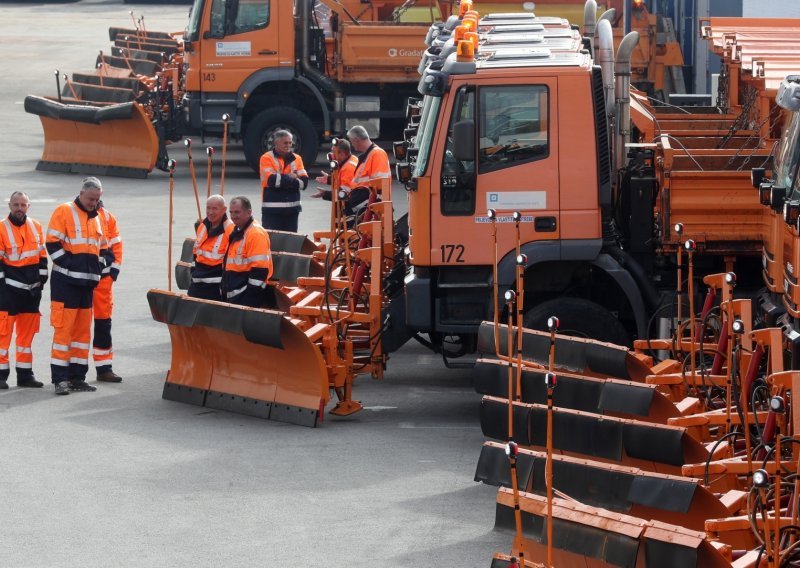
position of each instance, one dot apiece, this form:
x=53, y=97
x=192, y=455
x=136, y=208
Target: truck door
x=514, y=167
x=242, y=36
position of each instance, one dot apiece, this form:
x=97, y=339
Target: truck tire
x=261, y=128
x=578, y=317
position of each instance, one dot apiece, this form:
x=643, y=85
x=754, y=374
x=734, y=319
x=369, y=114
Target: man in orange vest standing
x=74, y=240
x=248, y=260
x=210, y=245
x=373, y=164
x=103, y=299
x=282, y=177
x=23, y=272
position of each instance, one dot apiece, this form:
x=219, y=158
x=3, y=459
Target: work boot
x=62, y=387
x=3, y=384
x=109, y=377
x=27, y=380
x=81, y=385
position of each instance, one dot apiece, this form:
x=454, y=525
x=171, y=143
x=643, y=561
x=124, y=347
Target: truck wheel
x=259, y=132
x=580, y=318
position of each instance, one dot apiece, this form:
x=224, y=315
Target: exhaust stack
x=622, y=71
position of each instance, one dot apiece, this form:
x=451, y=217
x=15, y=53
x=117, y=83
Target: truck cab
x=514, y=130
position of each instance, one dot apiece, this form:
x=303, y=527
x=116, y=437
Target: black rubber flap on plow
x=282, y=241
x=592, y=542
x=501, y=563
x=594, y=486
x=660, y=554
x=288, y=267
x=625, y=398
x=102, y=81
x=96, y=94
x=659, y=493
x=491, y=378
x=41, y=106
x=114, y=32
x=138, y=66
x=570, y=355
x=257, y=326
x=161, y=46
x=494, y=421
x=654, y=443
x=154, y=56
x=494, y=469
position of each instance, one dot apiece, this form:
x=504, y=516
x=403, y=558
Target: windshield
x=787, y=158
x=424, y=137
x=193, y=27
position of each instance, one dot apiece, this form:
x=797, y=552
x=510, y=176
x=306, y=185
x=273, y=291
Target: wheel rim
x=266, y=138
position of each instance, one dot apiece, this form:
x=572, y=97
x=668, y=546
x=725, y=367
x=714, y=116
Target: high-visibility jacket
x=280, y=190
x=23, y=260
x=248, y=263
x=111, y=247
x=74, y=239
x=346, y=173
x=210, y=245
x=373, y=164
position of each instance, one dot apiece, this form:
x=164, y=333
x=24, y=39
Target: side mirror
x=757, y=176
x=464, y=140
x=403, y=171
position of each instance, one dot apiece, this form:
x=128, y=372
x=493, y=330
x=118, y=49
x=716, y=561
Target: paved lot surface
x=122, y=478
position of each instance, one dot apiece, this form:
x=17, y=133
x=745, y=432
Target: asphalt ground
x=121, y=477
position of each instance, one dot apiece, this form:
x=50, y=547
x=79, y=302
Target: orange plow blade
x=250, y=361
x=116, y=140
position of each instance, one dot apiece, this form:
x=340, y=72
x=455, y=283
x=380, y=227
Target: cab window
x=513, y=126
x=458, y=175
x=249, y=15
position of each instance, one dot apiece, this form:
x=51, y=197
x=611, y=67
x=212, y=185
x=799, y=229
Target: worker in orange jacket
x=74, y=241
x=210, y=245
x=282, y=177
x=248, y=260
x=103, y=298
x=346, y=171
x=373, y=165
x=23, y=273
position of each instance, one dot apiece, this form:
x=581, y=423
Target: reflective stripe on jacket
x=23, y=260
x=74, y=239
x=248, y=261
x=209, y=250
x=111, y=243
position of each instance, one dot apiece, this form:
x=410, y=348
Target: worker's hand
x=319, y=194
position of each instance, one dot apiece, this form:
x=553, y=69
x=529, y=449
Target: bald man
x=210, y=246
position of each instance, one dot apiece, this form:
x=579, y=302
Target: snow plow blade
x=243, y=360
x=636, y=492
x=590, y=536
x=116, y=140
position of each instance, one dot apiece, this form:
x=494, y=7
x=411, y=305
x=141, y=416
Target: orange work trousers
x=26, y=325
x=72, y=331
x=103, y=305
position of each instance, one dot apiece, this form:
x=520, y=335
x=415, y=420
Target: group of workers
x=232, y=260
x=84, y=244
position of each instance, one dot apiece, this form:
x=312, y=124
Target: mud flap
x=243, y=360
x=115, y=140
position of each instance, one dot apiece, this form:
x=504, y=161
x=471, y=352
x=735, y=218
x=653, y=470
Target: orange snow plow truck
x=313, y=67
